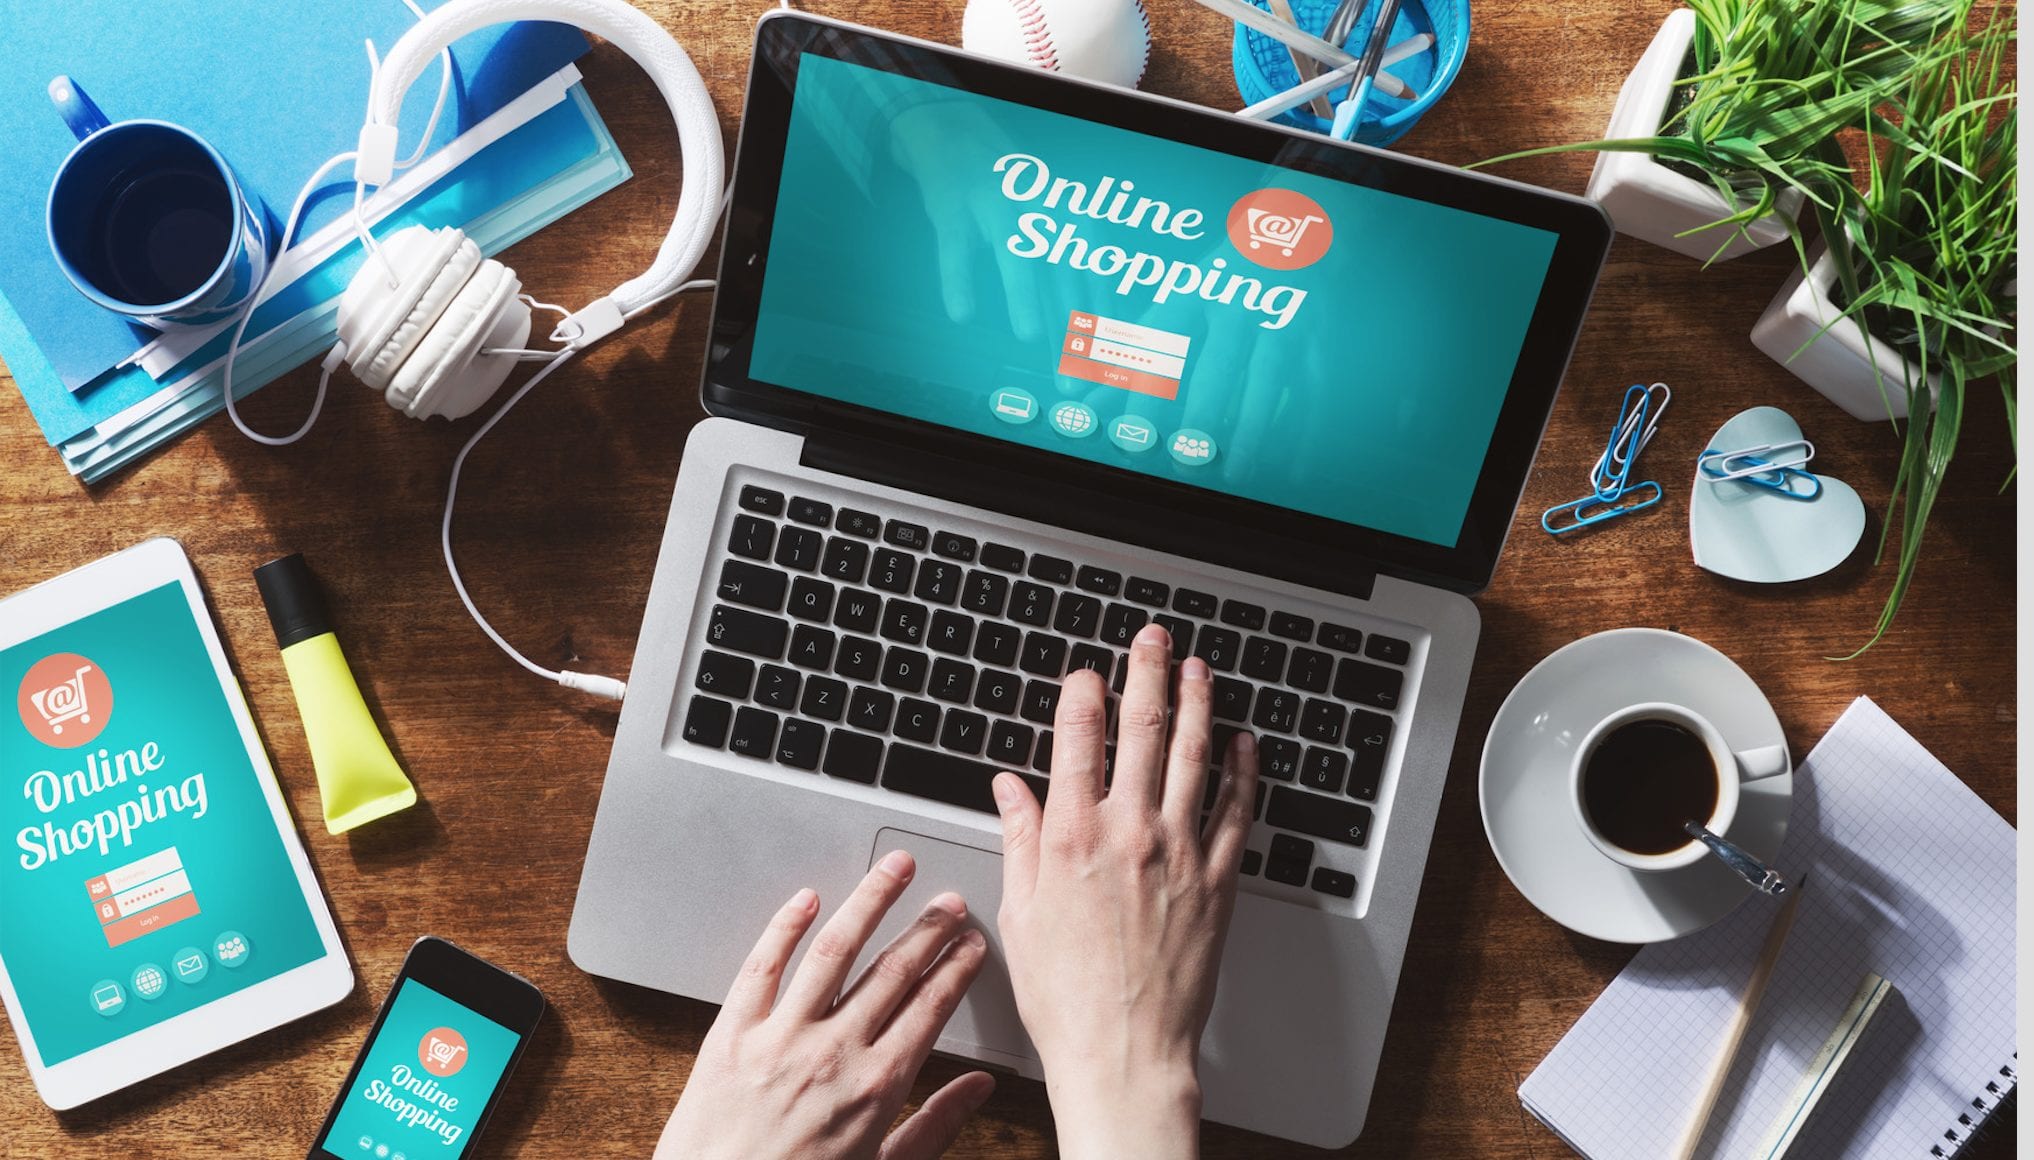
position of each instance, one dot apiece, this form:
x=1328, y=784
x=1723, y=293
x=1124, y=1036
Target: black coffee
x=164, y=230
x=1644, y=780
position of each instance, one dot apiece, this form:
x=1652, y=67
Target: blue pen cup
x=147, y=219
x=1264, y=66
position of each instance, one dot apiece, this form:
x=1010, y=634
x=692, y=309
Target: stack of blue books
x=277, y=86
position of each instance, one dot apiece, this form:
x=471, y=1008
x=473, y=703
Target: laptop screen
x=1095, y=292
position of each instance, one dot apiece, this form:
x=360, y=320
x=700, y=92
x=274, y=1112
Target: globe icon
x=149, y=981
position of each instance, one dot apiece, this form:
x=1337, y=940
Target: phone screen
x=424, y=1083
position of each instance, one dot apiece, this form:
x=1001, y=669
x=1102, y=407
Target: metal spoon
x=1761, y=876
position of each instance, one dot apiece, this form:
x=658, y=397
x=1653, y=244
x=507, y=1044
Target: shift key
x=747, y=632
x=1318, y=816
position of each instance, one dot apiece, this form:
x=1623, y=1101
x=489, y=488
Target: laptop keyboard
x=922, y=658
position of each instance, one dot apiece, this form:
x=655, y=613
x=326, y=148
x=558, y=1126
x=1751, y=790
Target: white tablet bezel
x=231, y=1018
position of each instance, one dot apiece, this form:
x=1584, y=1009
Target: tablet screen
x=144, y=875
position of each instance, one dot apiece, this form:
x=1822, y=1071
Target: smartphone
x=441, y=1050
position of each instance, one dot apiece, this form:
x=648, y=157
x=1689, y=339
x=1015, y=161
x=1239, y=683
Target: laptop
x=1004, y=366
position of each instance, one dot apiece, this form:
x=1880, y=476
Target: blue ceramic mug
x=149, y=221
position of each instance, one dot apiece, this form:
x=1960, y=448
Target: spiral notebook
x=1913, y=879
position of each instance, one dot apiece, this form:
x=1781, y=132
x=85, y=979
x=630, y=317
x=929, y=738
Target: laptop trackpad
x=986, y=1026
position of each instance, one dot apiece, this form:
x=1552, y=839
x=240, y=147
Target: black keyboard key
x=984, y=592
x=1120, y=624
x=917, y=720
x=1002, y=558
x=1044, y=656
x=904, y=535
x=1142, y=591
x=1041, y=757
x=799, y=549
x=724, y=675
x=1389, y=649
x=853, y=756
x=997, y=644
x=1031, y=604
x=811, y=511
x=1290, y=858
x=1252, y=861
x=762, y=500
x=811, y=648
x=1242, y=615
x=1194, y=602
x=1277, y=710
x=998, y=691
x=754, y=733
x=1257, y=811
x=1077, y=616
x=1339, y=883
x=1122, y=673
x=1218, y=647
x=1324, y=769
x=1098, y=580
x=1087, y=656
x=706, y=721
x=747, y=632
x=904, y=622
x=1278, y=758
x=1182, y=634
x=950, y=633
x=904, y=668
x=1041, y=701
x=964, y=732
x=1051, y=569
x=751, y=537
x=891, y=570
x=1363, y=683
x=870, y=709
x=859, y=658
x=777, y=687
x=944, y=777
x=953, y=546
x=825, y=698
x=1370, y=739
x=799, y=743
x=1232, y=701
x=859, y=523
x=1339, y=637
x=1334, y=819
x=811, y=599
x=952, y=680
x=1263, y=659
x=753, y=585
x=939, y=582
x=1009, y=743
x=1292, y=627
x=858, y=611
x=845, y=560
x=1311, y=669
x=1322, y=721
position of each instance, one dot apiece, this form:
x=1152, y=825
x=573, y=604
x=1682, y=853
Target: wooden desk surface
x=558, y=530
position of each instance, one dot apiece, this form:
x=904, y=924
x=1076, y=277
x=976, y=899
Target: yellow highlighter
x=358, y=777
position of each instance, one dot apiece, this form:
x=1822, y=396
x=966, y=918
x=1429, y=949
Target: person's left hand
x=822, y=1071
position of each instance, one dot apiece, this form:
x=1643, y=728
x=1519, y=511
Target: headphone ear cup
x=382, y=325
x=446, y=375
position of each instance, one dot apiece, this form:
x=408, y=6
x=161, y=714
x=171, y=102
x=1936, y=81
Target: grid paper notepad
x=1910, y=876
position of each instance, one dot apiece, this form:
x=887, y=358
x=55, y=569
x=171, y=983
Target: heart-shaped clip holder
x=1757, y=515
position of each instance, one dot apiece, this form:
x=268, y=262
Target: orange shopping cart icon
x=1277, y=229
x=64, y=702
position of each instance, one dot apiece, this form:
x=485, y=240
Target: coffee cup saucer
x=1524, y=789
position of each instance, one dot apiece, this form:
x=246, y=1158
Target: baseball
x=1101, y=40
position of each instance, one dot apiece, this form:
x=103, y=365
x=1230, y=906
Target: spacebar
x=943, y=777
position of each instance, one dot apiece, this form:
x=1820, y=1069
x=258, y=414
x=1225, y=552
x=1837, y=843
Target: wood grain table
x=558, y=528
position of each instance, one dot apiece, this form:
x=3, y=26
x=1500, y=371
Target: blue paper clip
x=1765, y=466
x=1623, y=505
x=1637, y=419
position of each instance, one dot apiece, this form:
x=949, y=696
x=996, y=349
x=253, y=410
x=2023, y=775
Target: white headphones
x=433, y=325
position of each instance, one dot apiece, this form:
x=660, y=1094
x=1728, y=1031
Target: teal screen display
x=425, y=1082
x=144, y=875
x=1150, y=305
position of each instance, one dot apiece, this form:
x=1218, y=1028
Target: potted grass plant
x=1915, y=301
x=1728, y=123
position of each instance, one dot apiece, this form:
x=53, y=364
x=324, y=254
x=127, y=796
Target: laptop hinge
x=1097, y=514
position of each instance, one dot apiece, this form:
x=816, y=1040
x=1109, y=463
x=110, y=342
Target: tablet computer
x=158, y=905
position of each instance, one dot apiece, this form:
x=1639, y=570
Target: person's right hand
x=1115, y=905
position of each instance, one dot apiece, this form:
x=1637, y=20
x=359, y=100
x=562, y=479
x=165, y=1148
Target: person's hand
x=822, y=1071
x=1115, y=905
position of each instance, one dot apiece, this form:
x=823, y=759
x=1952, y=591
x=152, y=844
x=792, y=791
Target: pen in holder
x=1422, y=55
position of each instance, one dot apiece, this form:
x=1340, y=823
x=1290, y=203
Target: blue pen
x=1348, y=111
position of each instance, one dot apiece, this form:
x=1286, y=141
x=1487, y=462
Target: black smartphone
x=441, y=1050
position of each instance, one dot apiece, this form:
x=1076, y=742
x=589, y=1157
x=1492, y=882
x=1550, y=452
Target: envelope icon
x=190, y=964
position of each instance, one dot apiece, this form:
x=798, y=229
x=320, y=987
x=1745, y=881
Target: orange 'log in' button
x=153, y=919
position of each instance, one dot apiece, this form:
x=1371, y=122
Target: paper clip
x=1637, y=419
x=1774, y=466
x=1622, y=505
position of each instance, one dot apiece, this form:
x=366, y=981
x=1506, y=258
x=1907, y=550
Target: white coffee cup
x=1732, y=769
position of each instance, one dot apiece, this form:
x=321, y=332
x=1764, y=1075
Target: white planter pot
x=1856, y=371
x=1654, y=203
